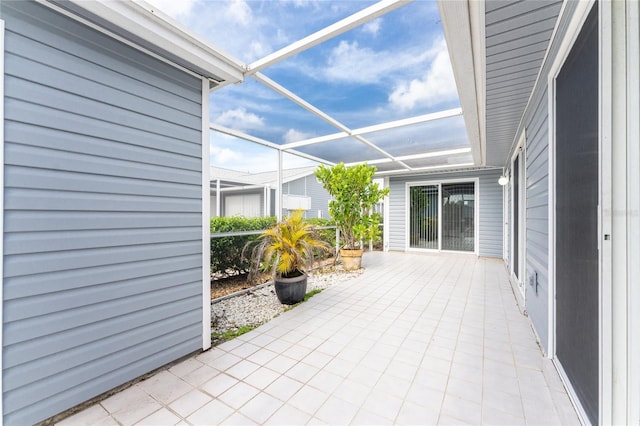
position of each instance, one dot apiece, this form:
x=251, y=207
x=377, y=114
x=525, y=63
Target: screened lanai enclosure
x=116, y=112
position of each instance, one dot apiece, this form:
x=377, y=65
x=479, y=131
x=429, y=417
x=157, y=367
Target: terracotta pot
x=351, y=259
x=291, y=290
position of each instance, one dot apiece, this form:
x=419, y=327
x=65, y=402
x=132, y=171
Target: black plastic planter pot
x=291, y=290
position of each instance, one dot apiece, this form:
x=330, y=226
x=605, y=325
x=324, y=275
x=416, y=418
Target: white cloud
x=354, y=64
x=372, y=27
x=224, y=155
x=175, y=8
x=437, y=84
x=240, y=119
x=240, y=12
x=293, y=135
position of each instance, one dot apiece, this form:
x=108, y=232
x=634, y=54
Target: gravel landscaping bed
x=260, y=304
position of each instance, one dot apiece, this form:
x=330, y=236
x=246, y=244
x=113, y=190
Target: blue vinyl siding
x=102, y=213
x=490, y=208
x=319, y=197
x=309, y=186
x=536, y=123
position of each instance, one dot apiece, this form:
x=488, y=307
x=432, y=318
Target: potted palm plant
x=287, y=250
x=354, y=195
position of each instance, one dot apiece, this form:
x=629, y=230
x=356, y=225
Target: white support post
x=279, y=187
x=265, y=198
x=206, y=221
x=385, y=217
x=218, y=199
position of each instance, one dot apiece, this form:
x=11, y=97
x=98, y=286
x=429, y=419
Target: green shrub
x=226, y=252
x=328, y=235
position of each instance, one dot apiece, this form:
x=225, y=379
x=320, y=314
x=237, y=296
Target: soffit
x=517, y=35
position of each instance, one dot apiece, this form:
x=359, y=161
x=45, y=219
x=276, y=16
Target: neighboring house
x=104, y=145
x=254, y=194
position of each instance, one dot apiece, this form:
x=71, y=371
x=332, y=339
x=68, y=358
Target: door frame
x=439, y=183
x=519, y=154
x=575, y=26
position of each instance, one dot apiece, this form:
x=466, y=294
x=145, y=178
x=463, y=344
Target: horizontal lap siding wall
x=490, y=208
x=102, y=238
x=536, y=122
x=309, y=186
x=319, y=198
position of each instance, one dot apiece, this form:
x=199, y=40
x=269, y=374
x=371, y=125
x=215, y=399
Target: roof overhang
x=463, y=26
x=138, y=23
x=498, y=50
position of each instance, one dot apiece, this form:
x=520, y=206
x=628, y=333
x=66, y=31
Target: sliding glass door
x=423, y=213
x=458, y=212
x=442, y=216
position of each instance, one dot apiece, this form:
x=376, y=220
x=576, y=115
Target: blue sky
x=393, y=67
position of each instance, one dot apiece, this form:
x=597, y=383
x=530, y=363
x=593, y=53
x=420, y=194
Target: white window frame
x=439, y=183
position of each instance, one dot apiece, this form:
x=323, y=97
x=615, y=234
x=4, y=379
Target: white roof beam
x=426, y=169
x=241, y=135
x=435, y=154
x=298, y=100
x=306, y=105
x=378, y=127
x=418, y=156
x=259, y=141
x=409, y=121
x=353, y=21
x=313, y=141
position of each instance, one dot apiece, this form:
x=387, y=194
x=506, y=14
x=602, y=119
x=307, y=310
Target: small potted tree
x=354, y=195
x=287, y=250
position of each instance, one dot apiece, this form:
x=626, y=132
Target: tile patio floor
x=416, y=339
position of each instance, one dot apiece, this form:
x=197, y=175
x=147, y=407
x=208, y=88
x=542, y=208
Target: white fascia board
x=145, y=22
x=353, y=21
x=463, y=25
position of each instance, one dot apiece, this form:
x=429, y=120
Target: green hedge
x=226, y=252
x=328, y=235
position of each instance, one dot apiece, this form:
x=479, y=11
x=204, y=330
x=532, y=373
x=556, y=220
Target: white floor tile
x=189, y=403
x=160, y=418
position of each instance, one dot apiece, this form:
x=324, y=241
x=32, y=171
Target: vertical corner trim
x=206, y=207
x=1, y=201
